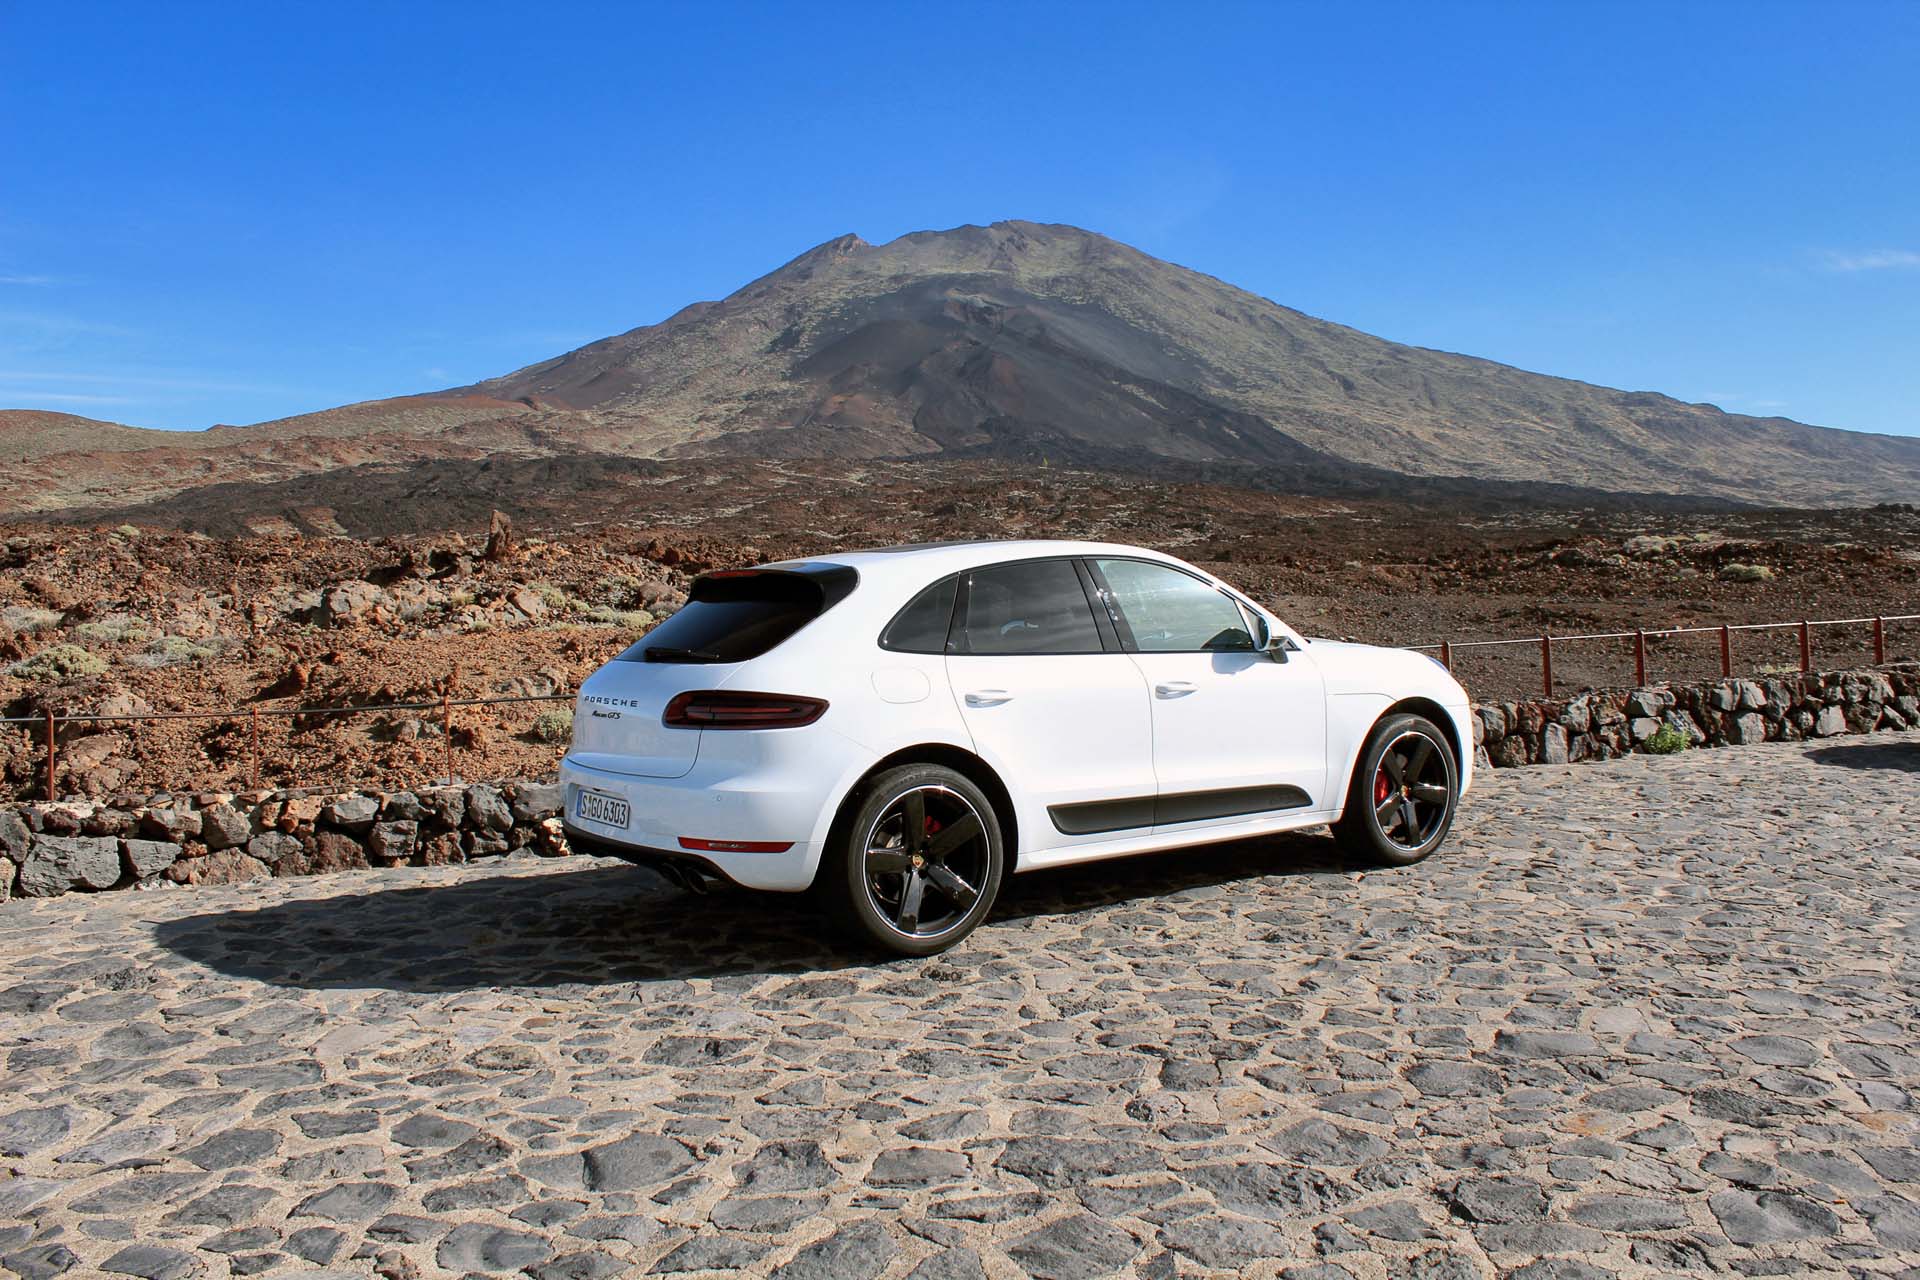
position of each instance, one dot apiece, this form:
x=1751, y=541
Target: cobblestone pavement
x=1642, y=1017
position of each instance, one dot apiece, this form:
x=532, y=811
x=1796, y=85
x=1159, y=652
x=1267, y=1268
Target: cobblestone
x=1641, y=1017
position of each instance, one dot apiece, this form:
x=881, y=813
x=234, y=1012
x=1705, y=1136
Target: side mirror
x=1269, y=641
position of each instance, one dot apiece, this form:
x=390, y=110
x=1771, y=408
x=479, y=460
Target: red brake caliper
x=1381, y=788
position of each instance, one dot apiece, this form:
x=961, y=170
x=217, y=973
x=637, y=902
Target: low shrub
x=167, y=651
x=553, y=726
x=633, y=620
x=624, y=587
x=117, y=628
x=27, y=620
x=1747, y=573
x=1666, y=741
x=59, y=662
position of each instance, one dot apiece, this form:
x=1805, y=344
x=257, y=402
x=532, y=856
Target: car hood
x=1370, y=668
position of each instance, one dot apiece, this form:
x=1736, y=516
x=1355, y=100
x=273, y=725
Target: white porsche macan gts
x=898, y=730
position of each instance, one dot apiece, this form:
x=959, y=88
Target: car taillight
x=731, y=709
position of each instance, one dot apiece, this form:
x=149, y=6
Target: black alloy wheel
x=1403, y=794
x=926, y=860
x=1412, y=792
x=920, y=864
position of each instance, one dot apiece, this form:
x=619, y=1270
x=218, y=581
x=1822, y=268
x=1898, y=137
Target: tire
x=913, y=897
x=1374, y=827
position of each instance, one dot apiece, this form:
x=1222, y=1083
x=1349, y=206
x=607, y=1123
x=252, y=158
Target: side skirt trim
x=1129, y=844
x=1132, y=813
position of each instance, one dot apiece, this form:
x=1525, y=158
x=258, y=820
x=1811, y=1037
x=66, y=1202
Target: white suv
x=897, y=730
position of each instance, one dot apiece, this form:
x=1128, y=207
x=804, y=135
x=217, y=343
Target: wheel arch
x=1415, y=705
x=961, y=761
x=1433, y=711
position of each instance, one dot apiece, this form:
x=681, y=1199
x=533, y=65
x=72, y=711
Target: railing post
x=446, y=730
x=1879, y=642
x=1806, y=647
x=53, y=755
x=1639, y=658
x=1446, y=655
x=1726, y=651
x=253, y=762
x=1546, y=664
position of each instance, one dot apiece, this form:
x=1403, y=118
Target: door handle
x=1175, y=688
x=988, y=697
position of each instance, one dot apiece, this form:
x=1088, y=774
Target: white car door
x=1237, y=733
x=1052, y=703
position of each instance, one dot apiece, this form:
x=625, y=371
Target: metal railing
x=50, y=721
x=1447, y=648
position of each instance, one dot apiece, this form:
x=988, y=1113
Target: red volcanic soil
x=260, y=599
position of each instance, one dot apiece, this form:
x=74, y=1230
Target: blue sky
x=232, y=213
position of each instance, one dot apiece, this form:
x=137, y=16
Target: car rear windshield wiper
x=667, y=653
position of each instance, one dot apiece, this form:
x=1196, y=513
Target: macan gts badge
x=898, y=730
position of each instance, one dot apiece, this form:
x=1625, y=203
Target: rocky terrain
x=272, y=608
x=1018, y=340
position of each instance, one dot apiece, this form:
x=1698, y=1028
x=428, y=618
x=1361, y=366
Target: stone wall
x=216, y=838
x=1599, y=725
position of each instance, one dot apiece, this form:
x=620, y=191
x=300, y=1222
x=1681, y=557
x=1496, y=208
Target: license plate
x=607, y=810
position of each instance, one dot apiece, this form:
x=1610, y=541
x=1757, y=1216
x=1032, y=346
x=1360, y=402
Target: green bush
x=633, y=620
x=1747, y=573
x=166, y=651
x=59, y=662
x=553, y=726
x=116, y=629
x=1666, y=741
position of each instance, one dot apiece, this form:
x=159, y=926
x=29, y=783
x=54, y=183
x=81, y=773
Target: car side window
x=1029, y=606
x=1173, y=612
x=921, y=627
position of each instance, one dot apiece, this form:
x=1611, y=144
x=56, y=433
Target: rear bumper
x=767, y=803
x=688, y=870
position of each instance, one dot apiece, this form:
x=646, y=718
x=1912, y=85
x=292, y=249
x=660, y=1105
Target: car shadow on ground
x=1902, y=756
x=608, y=923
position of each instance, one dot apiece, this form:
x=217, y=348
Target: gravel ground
x=1650, y=1016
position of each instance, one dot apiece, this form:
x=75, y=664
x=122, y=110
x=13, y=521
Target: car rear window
x=1027, y=607
x=921, y=627
x=739, y=615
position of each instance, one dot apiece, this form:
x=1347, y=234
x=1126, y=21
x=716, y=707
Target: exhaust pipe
x=682, y=876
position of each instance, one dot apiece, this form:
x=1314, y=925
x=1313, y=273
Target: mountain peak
x=1022, y=338
x=1031, y=340
x=827, y=251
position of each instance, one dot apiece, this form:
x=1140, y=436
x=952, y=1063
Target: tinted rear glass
x=921, y=627
x=734, y=619
x=1030, y=606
